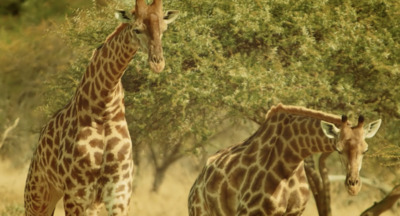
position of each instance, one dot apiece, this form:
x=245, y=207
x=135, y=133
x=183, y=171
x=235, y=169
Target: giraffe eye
x=137, y=31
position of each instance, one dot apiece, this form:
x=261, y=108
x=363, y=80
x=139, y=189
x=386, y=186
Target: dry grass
x=171, y=200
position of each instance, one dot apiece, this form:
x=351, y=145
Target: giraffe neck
x=100, y=91
x=285, y=140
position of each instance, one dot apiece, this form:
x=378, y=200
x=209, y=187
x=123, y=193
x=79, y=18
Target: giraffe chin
x=353, y=190
x=157, y=67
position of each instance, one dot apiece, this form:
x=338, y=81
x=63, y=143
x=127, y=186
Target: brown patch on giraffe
x=314, y=147
x=304, y=153
x=291, y=156
x=233, y=162
x=85, y=121
x=255, y=200
x=76, y=175
x=84, y=161
x=268, y=206
x=303, y=127
x=111, y=168
x=49, y=142
x=96, y=143
x=111, y=143
x=84, y=134
x=281, y=116
x=50, y=129
x=292, y=183
x=91, y=176
x=279, y=128
x=236, y=178
x=115, y=178
x=227, y=199
x=91, y=70
x=258, y=181
x=124, y=150
x=304, y=192
x=307, y=142
x=295, y=128
x=107, y=130
x=281, y=171
x=268, y=134
x=279, y=145
x=274, y=118
x=123, y=130
x=294, y=146
x=61, y=170
x=287, y=133
x=86, y=88
x=125, y=166
x=68, y=183
x=48, y=154
x=104, y=51
x=79, y=150
x=110, y=157
x=220, y=162
x=247, y=160
x=80, y=193
x=249, y=176
x=213, y=184
x=98, y=158
x=312, y=131
x=121, y=188
x=294, y=199
x=93, y=94
x=251, y=148
x=208, y=173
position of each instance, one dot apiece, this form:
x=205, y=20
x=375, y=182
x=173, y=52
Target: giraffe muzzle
x=353, y=185
x=157, y=64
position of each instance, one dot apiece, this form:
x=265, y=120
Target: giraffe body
x=84, y=153
x=265, y=174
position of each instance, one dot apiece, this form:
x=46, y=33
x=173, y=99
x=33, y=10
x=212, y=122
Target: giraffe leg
x=72, y=206
x=40, y=198
x=93, y=210
x=117, y=200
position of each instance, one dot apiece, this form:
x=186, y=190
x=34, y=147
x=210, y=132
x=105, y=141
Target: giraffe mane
x=116, y=31
x=302, y=111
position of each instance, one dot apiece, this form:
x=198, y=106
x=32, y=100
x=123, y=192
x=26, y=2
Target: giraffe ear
x=170, y=16
x=123, y=16
x=371, y=129
x=330, y=130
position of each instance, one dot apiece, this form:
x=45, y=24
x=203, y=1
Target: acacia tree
x=234, y=59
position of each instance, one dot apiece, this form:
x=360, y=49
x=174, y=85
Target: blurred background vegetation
x=227, y=63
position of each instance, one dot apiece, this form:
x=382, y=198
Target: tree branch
x=7, y=131
x=385, y=204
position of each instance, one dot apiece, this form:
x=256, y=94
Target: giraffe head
x=148, y=23
x=351, y=145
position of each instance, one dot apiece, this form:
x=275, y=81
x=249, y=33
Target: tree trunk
x=385, y=204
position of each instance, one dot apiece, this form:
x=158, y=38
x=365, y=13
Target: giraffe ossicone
x=84, y=153
x=265, y=174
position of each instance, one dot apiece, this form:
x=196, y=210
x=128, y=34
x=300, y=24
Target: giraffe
x=84, y=153
x=265, y=175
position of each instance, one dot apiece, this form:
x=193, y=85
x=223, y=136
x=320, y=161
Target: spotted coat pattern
x=265, y=174
x=84, y=153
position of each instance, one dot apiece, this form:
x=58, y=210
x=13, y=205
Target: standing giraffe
x=85, y=152
x=265, y=174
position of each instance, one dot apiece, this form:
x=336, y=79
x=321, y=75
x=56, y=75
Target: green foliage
x=234, y=59
x=224, y=60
